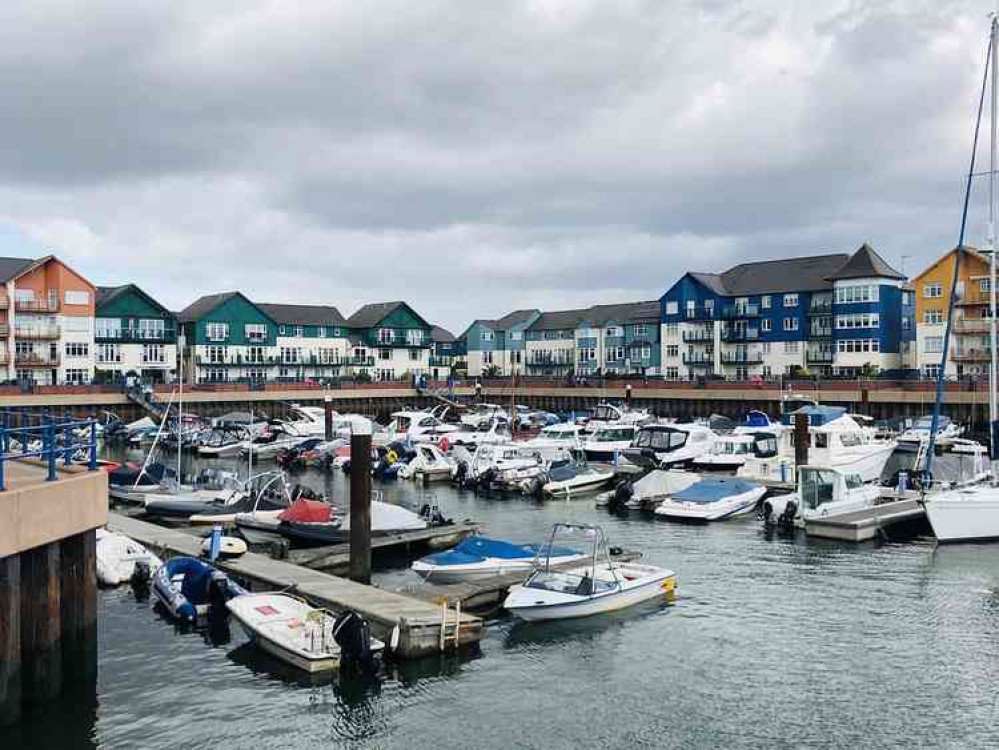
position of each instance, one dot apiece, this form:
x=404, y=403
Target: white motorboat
x=646, y=492
x=595, y=587
x=428, y=465
x=481, y=414
x=606, y=415
x=420, y=426
x=494, y=432
x=478, y=557
x=606, y=443
x=712, y=499
x=310, y=639
x=224, y=441
x=964, y=514
x=509, y=466
x=822, y=493
x=273, y=439
x=120, y=559
x=919, y=432
x=730, y=452
x=667, y=445
x=570, y=480
x=555, y=438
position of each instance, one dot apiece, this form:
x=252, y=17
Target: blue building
x=499, y=345
x=825, y=314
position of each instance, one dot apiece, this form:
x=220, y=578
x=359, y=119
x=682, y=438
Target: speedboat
x=670, y=445
x=947, y=430
x=313, y=640
x=478, y=557
x=428, y=465
x=822, y=493
x=598, y=585
x=311, y=523
x=223, y=441
x=646, y=492
x=607, y=415
x=190, y=588
x=570, y=479
x=212, y=488
x=130, y=484
x=509, y=466
x=608, y=441
x=728, y=453
x=480, y=414
x=420, y=426
x=712, y=499
x=272, y=440
x=556, y=438
x=121, y=559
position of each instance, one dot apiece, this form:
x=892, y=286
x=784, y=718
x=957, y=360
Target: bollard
x=328, y=413
x=360, y=503
x=801, y=439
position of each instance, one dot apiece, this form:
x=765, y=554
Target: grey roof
x=442, y=335
x=369, y=315
x=13, y=267
x=515, y=318
x=712, y=281
x=558, y=320
x=624, y=312
x=303, y=315
x=866, y=263
x=810, y=273
x=204, y=305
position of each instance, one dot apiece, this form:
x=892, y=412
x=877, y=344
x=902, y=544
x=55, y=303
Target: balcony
x=975, y=298
x=693, y=337
x=971, y=355
x=440, y=361
x=972, y=325
x=742, y=358
x=38, y=333
x=820, y=307
x=4, y=330
x=36, y=359
x=820, y=333
x=698, y=360
x=736, y=312
x=36, y=305
x=741, y=334
x=131, y=335
x=820, y=357
x=4, y=302
x=698, y=314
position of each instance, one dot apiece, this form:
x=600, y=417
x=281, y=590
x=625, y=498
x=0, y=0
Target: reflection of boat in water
x=591, y=588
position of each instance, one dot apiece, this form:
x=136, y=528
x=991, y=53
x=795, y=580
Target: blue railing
x=63, y=437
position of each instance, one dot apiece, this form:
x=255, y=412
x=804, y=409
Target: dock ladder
x=454, y=627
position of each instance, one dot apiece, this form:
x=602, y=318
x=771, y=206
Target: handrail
x=51, y=449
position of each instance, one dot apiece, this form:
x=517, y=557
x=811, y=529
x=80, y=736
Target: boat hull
x=729, y=507
x=662, y=586
x=961, y=517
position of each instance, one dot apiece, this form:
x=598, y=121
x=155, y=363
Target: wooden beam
x=10, y=639
x=41, y=656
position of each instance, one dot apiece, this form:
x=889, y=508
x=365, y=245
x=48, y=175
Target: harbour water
x=773, y=641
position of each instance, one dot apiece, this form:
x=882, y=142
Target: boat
x=428, y=465
x=947, y=431
x=480, y=414
x=507, y=466
x=730, y=452
x=569, y=480
x=224, y=440
x=190, y=588
x=272, y=439
x=477, y=557
x=556, y=438
x=420, y=426
x=822, y=493
x=712, y=499
x=594, y=587
x=647, y=491
x=606, y=414
x=121, y=559
x=670, y=445
x=310, y=639
x=312, y=523
x=605, y=443
x=212, y=489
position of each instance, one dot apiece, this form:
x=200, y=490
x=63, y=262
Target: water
x=773, y=641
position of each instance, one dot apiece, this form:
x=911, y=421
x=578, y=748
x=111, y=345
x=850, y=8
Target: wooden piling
x=801, y=439
x=78, y=606
x=328, y=414
x=41, y=656
x=10, y=639
x=360, y=506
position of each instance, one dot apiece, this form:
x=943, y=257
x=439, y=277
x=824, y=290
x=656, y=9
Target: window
x=983, y=285
x=76, y=377
x=859, y=346
x=516, y=335
x=76, y=349
x=857, y=320
x=643, y=330
x=906, y=323
x=766, y=325
x=282, y=330
x=151, y=328
x=414, y=337
x=587, y=354
x=217, y=331
x=790, y=324
x=255, y=354
x=933, y=317
x=487, y=358
x=709, y=307
x=108, y=328
x=790, y=347
x=672, y=308
x=645, y=352
x=384, y=354
x=153, y=354
x=933, y=344
x=255, y=331
x=75, y=323
x=414, y=355
x=486, y=336
x=691, y=308
x=671, y=330
x=857, y=293
x=615, y=354
x=299, y=331
x=765, y=301
x=673, y=350
x=216, y=355
x=321, y=332
x=108, y=354
x=615, y=331
x=71, y=297
x=790, y=300
x=386, y=335
x=24, y=295
x=671, y=373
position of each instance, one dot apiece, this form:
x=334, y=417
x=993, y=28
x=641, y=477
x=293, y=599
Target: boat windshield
x=732, y=448
x=817, y=487
x=559, y=434
x=606, y=413
x=661, y=440
x=568, y=583
x=613, y=434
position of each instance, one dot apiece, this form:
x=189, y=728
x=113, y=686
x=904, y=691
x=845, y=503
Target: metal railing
x=696, y=336
x=740, y=358
x=820, y=307
x=819, y=357
x=741, y=311
x=748, y=334
x=36, y=332
x=43, y=436
x=36, y=305
x=972, y=325
x=166, y=336
x=36, y=359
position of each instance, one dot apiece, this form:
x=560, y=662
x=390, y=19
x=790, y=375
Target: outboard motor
x=461, y=473
x=537, y=486
x=622, y=494
x=766, y=512
x=352, y=634
x=141, y=573
x=486, y=478
x=786, y=518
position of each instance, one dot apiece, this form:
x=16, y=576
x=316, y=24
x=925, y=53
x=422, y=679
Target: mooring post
x=328, y=413
x=865, y=401
x=10, y=639
x=360, y=502
x=78, y=606
x=800, y=440
x=41, y=657
x=627, y=394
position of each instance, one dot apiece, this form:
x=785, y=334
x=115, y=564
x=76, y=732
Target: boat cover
x=817, y=415
x=307, y=511
x=757, y=419
x=562, y=472
x=713, y=489
x=475, y=549
x=125, y=475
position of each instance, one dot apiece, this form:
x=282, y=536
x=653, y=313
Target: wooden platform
x=419, y=622
x=864, y=525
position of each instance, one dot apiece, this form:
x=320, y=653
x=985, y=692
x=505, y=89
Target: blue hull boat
x=190, y=588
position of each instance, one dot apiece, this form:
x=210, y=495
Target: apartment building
x=133, y=334
x=312, y=343
x=498, y=345
x=46, y=321
x=395, y=337
x=445, y=353
x=834, y=314
x=619, y=339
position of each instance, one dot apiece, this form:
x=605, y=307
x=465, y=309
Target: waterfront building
x=969, y=350
x=833, y=314
x=445, y=353
x=619, y=339
x=133, y=334
x=550, y=348
x=312, y=343
x=498, y=346
x=392, y=339
x=46, y=322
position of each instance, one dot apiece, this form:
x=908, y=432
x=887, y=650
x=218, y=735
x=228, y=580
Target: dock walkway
x=418, y=621
x=864, y=525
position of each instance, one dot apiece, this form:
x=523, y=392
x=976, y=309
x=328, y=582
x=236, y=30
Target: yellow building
x=969, y=350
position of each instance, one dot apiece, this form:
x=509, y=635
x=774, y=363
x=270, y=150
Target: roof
x=558, y=320
x=11, y=268
x=805, y=274
x=624, y=312
x=712, y=281
x=866, y=263
x=204, y=305
x=968, y=249
x=108, y=294
x=308, y=315
x=442, y=335
x=371, y=314
x=515, y=318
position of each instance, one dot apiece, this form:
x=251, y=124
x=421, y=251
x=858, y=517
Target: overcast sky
x=476, y=157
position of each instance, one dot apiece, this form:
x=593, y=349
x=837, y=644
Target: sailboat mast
x=992, y=234
x=180, y=404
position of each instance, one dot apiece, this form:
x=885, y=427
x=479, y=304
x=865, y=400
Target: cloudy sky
x=476, y=157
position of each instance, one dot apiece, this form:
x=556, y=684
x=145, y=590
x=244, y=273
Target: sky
x=473, y=158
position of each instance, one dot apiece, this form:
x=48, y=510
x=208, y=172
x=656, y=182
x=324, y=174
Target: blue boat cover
x=713, y=489
x=475, y=549
x=757, y=419
x=817, y=415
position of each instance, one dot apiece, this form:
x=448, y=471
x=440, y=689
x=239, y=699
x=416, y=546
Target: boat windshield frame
x=548, y=578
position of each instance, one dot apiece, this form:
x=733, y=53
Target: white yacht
x=947, y=431
x=605, y=443
x=606, y=414
x=730, y=452
x=822, y=492
x=556, y=437
x=480, y=414
x=670, y=445
x=420, y=426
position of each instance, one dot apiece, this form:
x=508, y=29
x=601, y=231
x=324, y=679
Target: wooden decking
x=419, y=621
x=864, y=525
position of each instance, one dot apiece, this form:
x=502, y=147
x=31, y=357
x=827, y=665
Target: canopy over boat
x=817, y=415
x=478, y=548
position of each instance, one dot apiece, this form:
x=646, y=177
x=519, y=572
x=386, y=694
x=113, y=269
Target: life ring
x=444, y=444
x=391, y=457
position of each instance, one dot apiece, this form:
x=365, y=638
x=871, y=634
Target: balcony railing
x=820, y=333
x=742, y=358
x=36, y=359
x=820, y=307
x=972, y=325
x=699, y=314
x=168, y=335
x=36, y=332
x=741, y=334
x=735, y=312
x=696, y=336
x=971, y=355
x=4, y=302
x=698, y=360
x=4, y=330
x=975, y=298
x=819, y=357
x=36, y=305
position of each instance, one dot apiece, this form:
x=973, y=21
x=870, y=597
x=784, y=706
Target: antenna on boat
x=991, y=239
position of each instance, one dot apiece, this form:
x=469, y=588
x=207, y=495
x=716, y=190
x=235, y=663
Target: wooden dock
x=866, y=524
x=419, y=623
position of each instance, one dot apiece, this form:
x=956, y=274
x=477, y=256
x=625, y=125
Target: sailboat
x=971, y=512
